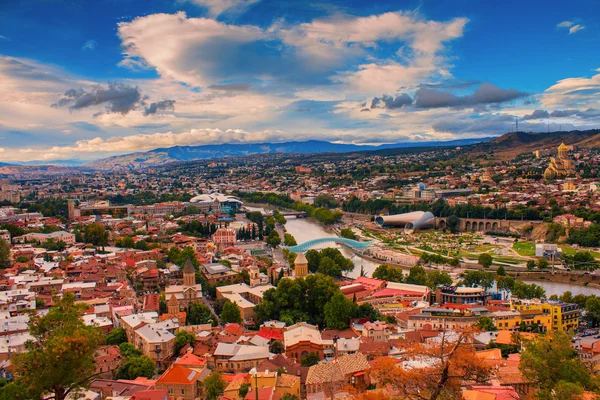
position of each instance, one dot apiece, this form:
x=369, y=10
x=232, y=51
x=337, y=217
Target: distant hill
x=511, y=144
x=191, y=153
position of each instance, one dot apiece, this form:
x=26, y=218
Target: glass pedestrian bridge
x=314, y=242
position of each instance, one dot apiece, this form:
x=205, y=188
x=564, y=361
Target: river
x=304, y=229
x=559, y=288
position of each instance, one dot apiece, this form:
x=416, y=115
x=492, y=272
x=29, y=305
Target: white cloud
x=576, y=28
x=181, y=48
x=3, y=37
x=578, y=93
x=565, y=24
x=218, y=7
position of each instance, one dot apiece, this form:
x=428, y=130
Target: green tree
x=592, y=308
x=96, y=234
x=127, y=242
x=486, y=324
x=389, y=273
x=183, y=338
x=530, y=265
x=417, y=276
x=231, y=313
x=452, y=223
x=289, y=240
x=273, y=239
x=438, y=278
x=198, y=313
x=339, y=311
x=4, y=254
x=551, y=361
x=129, y=350
x=244, y=389
x=137, y=366
x=276, y=347
x=310, y=359
x=213, y=386
x=60, y=358
x=543, y=263
x=116, y=337
x=348, y=233
x=485, y=260
x=501, y=271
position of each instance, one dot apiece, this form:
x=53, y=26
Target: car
x=569, y=269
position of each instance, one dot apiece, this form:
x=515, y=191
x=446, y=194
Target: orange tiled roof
x=178, y=375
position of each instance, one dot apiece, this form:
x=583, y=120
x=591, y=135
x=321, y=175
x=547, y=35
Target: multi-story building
x=156, y=341
x=512, y=320
x=224, y=237
x=67, y=237
x=461, y=295
x=245, y=296
x=180, y=382
x=565, y=316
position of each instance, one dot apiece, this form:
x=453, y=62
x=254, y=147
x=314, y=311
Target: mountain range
x=191, y=153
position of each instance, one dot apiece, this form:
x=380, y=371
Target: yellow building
x=514, y=318
x=283, y=384
x=564, y=316
x=560, y=166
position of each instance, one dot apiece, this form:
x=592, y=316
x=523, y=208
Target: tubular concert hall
x=410, y=221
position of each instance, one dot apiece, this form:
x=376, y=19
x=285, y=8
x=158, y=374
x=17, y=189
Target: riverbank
x=590, y=281
x=304, y=229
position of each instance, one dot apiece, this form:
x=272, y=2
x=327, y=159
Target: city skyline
x=85, y=81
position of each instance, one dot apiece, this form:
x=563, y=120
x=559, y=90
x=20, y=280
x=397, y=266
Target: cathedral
x=187, y=293
x=300, y=265
x=560, y=166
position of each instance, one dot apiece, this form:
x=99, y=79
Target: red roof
x=270, y=334
x=150, y=395
x=370, y=282
x=387, y=292
x=192, y=360
x=267, y=393
x=178, y=375
x=234, y=377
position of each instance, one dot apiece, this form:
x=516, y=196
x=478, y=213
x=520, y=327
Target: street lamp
x=254, y=373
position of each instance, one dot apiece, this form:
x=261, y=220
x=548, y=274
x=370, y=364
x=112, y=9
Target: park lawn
x=568, y=250
x=525, y=249
x=508, y=260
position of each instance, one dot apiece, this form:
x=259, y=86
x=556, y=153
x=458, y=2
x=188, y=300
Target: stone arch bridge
x=484, y=224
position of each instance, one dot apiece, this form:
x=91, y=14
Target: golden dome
x=563, y=146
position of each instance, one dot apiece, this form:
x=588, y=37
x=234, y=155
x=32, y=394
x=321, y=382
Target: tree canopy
x=61, y=339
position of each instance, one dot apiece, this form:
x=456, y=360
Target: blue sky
x=82, y=79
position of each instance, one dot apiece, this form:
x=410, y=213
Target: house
x=303, y=338
x=179, y=382
x=157, y=341
x=231, y=357
x=245, y=296
x=282, y=383
x=347, y=370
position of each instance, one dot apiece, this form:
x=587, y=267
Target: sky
x=81, y=80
